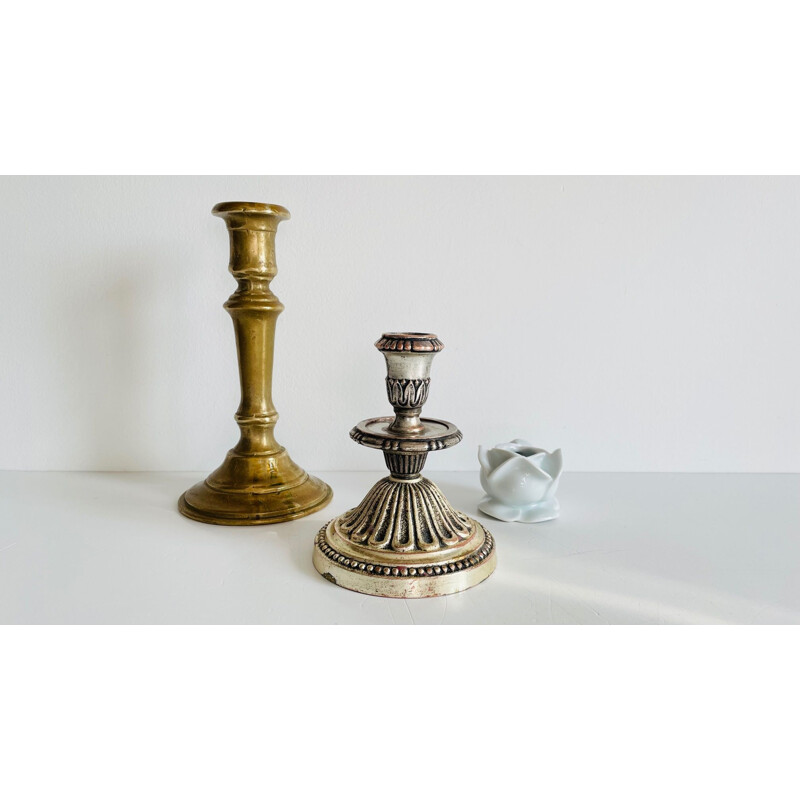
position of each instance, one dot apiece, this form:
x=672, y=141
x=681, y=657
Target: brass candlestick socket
x=257, y=483
x=404, y=539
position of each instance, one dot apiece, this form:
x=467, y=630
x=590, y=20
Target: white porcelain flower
x=520, y=481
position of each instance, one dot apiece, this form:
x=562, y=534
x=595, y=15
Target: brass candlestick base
x=257, y=483
x=404, y=539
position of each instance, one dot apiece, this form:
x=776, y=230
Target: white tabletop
x=628, y=548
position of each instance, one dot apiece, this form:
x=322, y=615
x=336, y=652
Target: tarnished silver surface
x=408, y=370
x=404, y=539
x=434, y=434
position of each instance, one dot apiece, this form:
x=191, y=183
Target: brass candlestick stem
x=257, y=483
x=404, y=539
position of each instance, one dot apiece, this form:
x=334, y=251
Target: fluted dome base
x=404, y=540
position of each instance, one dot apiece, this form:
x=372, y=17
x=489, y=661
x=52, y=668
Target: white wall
x=638, y=323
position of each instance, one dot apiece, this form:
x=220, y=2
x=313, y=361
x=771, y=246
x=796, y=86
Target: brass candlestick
x=257, y=483
x=404, y=539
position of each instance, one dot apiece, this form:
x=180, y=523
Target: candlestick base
x=404, y=540
x=255, y=490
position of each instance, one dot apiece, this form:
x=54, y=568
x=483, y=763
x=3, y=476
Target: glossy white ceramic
x=520, y=481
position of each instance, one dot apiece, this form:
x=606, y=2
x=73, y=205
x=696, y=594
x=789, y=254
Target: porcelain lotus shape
x=520, y=482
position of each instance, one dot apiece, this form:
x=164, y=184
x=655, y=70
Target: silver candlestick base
x=404, y=539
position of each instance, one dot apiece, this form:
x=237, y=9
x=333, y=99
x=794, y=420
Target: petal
x=525, y=448
x=540, y=512
x=509, y=446
x=551, y=489
x=538, y=459
x=494, y=508
x=498, y=455
x=517, y=481
x=532, y=467
x=553, y=464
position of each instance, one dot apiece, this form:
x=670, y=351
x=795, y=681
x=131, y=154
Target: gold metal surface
x=257, y=483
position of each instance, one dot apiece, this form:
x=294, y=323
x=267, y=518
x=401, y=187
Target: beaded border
x=413, y=342
x=424, y=571
x=381, y=441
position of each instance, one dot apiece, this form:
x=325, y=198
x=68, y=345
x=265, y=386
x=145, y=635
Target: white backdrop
x=641, y=324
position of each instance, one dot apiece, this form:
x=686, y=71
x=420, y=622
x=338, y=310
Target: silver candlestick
x=404, y=539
